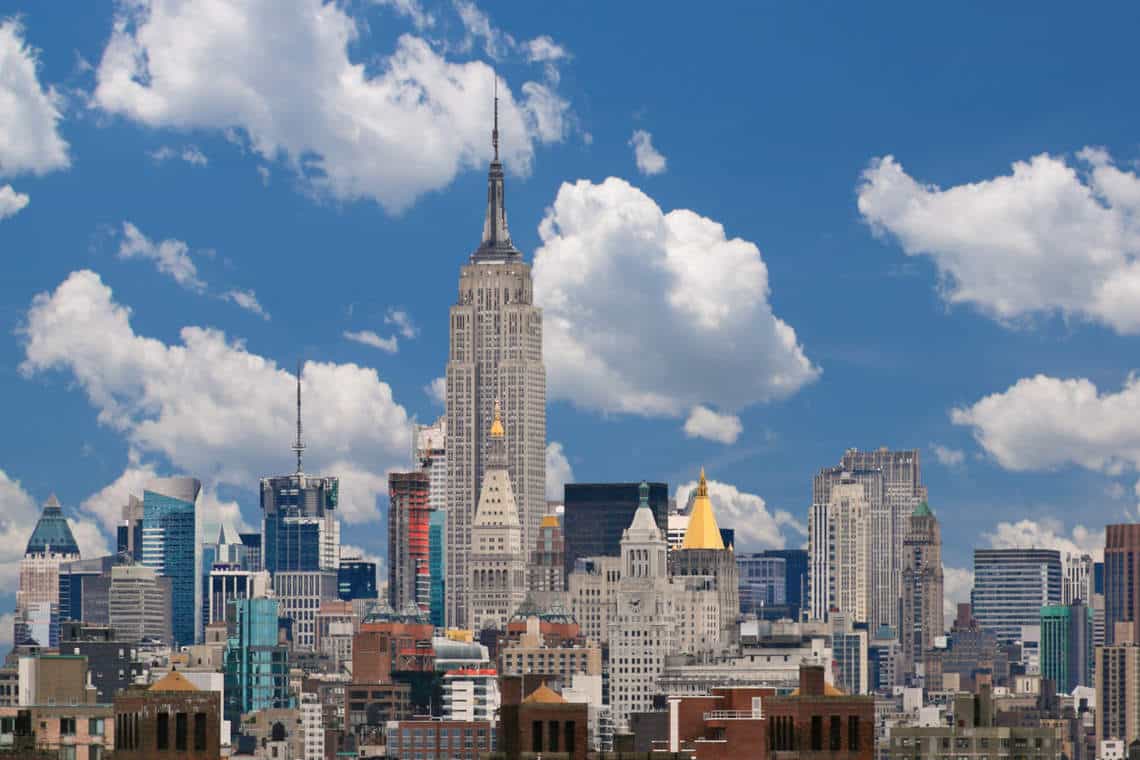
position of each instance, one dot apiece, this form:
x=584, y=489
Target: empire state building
x=495, y=352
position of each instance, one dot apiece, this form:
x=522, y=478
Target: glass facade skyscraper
x=1011, y=586
x=257, y=667
x=1066, y=645
x=300, y=531
x=596, y=514
x=356, y=579
x=763, y=583
x=169, y=536
x=437, y=534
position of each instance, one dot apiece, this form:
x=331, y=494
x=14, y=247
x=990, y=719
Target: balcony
x=713, y=715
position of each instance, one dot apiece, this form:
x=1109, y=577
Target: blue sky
x=167, y=163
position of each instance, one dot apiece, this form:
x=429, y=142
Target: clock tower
x=646, y=622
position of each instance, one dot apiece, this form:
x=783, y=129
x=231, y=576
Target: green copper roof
x=922, y=510
x=52, y=531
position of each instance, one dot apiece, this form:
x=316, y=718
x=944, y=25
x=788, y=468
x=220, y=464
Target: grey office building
x=1011, y=586
x=596, y=514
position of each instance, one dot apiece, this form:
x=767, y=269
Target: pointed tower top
x=51, y=503
x=497, y=423
x=52, y=533
x=496, y=245
x=703, y=532
x=644, y=523
x=299, y=446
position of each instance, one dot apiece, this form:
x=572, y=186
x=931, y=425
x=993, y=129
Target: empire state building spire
x=496, y=244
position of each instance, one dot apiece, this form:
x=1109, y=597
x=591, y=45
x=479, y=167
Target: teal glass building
x=256, y=665
x=1067, y=645
x=169, y=543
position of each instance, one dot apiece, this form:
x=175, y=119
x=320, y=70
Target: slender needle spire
x=495, y=131
x=299, y=446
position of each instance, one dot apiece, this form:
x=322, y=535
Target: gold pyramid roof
x=544, y=695
x=173, y=681
x=703, y=532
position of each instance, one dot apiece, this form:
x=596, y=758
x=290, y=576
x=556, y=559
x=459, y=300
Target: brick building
x=819, y=721
x=439, y=739
x=543, y=723
x=173, y=718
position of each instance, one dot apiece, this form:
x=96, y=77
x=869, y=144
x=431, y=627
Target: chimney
x=811, y=680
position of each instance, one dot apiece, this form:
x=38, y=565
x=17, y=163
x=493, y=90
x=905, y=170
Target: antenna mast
x=299, y=446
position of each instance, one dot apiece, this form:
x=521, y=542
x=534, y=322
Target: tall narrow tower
x=495, y=352
x=922, y=616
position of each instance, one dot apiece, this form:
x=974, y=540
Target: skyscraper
x=437, y=535
x=922, y=615
x=893, y=488
x=1066, y=645
x=169, y=535
x=300, y=540
x=1122, y=579
x=495, y=352
x=257, y=667
x=841, y=544
x=497, y=585
x=1011, y=586
x=140, y=604
x=37, y=595
x=409, y=577
x=1117, y=678
x=300, y=530
x=547, y=567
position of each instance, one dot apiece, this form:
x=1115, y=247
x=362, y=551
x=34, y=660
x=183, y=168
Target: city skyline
x=372, y=333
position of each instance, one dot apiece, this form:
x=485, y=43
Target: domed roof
x=52, y=532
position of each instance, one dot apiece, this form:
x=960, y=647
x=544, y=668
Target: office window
x=94, y=726
x=67, y=726
x=817, y=733
x=836, y=740
x=199, y=731
x=553, y=740
x=162, y=735
x=180, y=730
x=853, y=733
x=536, y=736
x=568, y=729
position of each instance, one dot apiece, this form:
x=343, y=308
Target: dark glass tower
x=597, y=513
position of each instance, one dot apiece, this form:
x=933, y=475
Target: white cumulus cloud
x=705, y=423
x=1047, y=533
x=621, y=281
x=190, y=154
x=948, y=456
x=11, y=202
x=29, y=114
x=1050, y=237
x=171, y=257
x=209, y=406
x=402, y=322
x=746, y=513
x=1044, y=422
x=649, y=159
x=280, y=72
x=246, y=299
x=957, y=583
x=369, y=338
x=437, y=390
x=558, y=471
x=542, y=49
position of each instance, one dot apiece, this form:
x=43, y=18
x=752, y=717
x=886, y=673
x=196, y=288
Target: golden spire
x=497, y=425
x=703, y=532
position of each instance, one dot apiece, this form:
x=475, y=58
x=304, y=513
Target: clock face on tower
x=635, y=603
